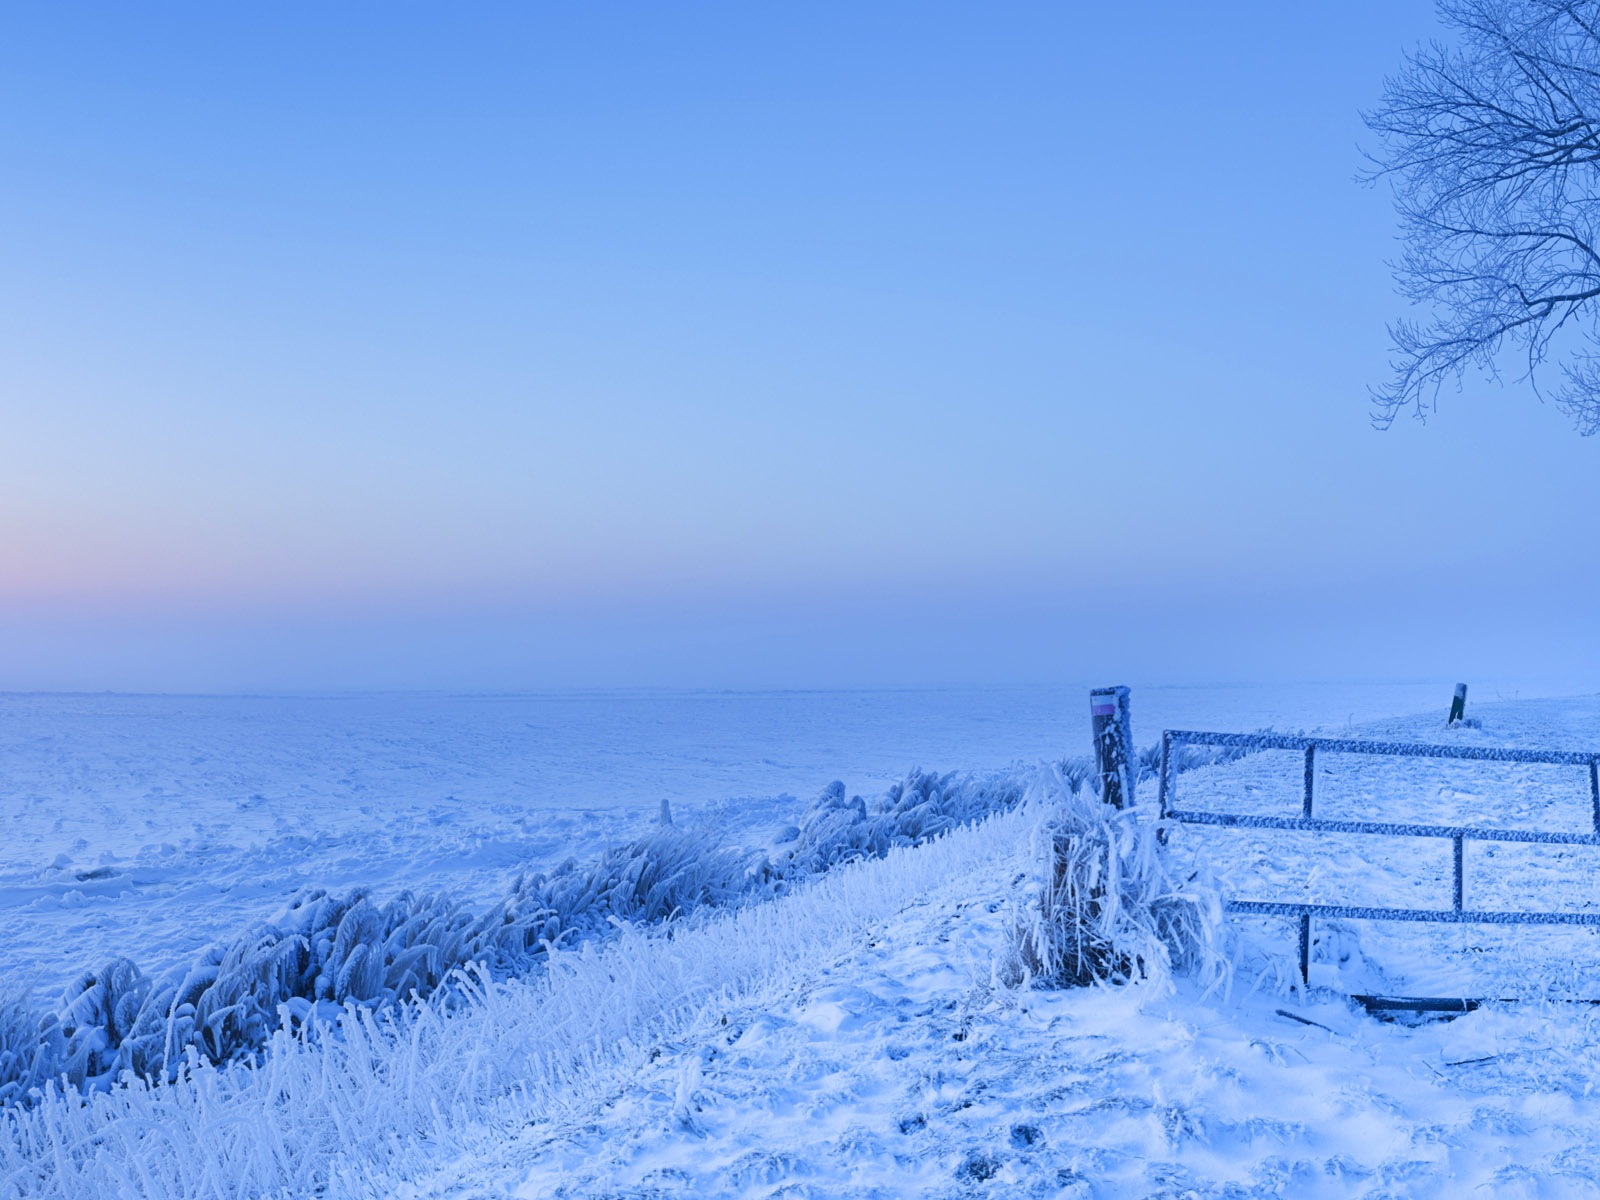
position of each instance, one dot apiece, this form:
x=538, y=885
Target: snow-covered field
x=855, y=1036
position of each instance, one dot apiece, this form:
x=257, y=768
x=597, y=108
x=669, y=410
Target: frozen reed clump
x=667, y=872
x=31, y=1045
x=325, y=952
x=1109, y=908
x=376, y=1096
x=921, y=806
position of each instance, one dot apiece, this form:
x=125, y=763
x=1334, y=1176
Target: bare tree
x=1493, y=150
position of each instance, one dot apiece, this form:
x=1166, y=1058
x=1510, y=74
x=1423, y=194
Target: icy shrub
x=1109, y=909
x=833, y=830
x=1076, y=772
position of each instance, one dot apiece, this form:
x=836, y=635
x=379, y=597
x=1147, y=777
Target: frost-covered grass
x=326, y=952
x=330, y=1108
x=904, y=1068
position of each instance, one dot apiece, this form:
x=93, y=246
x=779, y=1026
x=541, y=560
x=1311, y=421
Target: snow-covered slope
x=856, y=1038
x=859, y=1034
x=903, y=1068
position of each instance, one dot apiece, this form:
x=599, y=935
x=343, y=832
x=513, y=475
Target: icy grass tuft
x=1109, y=908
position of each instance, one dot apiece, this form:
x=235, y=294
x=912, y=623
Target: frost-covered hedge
x=326, y=952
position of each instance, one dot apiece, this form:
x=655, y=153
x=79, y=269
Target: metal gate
x=1458, y=913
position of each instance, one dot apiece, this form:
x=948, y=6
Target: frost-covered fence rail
x=1308, y=822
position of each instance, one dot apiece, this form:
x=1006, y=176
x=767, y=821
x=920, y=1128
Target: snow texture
x=855, y=1036
x=899, y=1047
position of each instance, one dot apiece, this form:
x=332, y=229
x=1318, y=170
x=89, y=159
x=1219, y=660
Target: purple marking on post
x=1103, y=708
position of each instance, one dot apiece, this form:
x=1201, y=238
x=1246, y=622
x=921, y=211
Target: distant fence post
x=1113, y=744
x=1458, y=706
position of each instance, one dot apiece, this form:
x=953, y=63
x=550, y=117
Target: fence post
x=1311, y=779
x=1458, y=705
x=1164, y=786
x=1305, y=951
x=1113, y=744
x=1594, y=791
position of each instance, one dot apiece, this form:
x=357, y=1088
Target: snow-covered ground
x=856, y=1036
x=901, y=1068
x=154, y=826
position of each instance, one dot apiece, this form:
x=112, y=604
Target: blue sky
x=736, y=345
